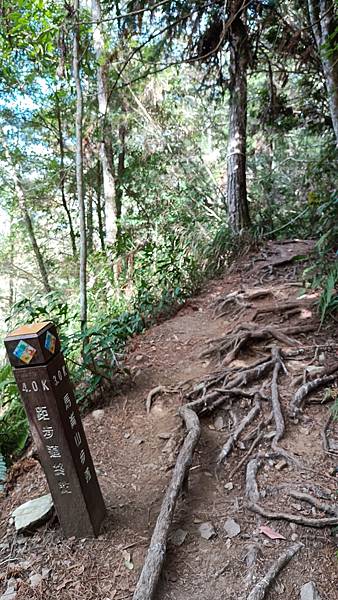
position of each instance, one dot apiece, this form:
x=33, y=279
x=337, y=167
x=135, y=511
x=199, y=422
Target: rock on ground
x=33, y=513
x=309, y=592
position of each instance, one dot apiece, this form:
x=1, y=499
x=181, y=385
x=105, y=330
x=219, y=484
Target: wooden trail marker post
x=55, y=422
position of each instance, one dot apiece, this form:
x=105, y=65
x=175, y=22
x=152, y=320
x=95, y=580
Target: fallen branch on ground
x=260, y=590
x=152, y=567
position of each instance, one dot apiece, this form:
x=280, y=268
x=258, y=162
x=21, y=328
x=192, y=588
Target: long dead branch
x=152, y=567
x=260, y=590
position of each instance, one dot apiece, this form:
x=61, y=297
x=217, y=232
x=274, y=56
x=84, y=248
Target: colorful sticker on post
x=50, y=342
x=24, y=352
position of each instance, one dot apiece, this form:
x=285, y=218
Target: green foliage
x=323, y=273
x=13, y=422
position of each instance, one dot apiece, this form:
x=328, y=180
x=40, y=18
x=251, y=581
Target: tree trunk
x=120, y=168
x=90, y=222
x=106, y=154
x=79, y=168
x=324, y=22
x=236, y=181
x=99, y=205
x=27, y=219
x=63, y=175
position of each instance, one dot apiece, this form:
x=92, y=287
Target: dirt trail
x=134, y=454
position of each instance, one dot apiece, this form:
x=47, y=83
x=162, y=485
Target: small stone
x=12, y=583
x=231, y=528
x=45, y=573
x=294, y=537
x=219, y=423
x=165, y=435
x=322, y=358
x=281, y=465
x=35, y=580
x=309, y=592
x=10, y=594
x=177, y=538
x=98, y=414
x=229, y=486
x=33, y=513
x=207, y=530
x=228, y=544
x=126, y=436
x=138, y=358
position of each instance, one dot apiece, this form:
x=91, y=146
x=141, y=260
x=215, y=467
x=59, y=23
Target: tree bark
x=63, y=174
x=79, y=168
x=99, y=205
x=106, y=153
x=238, y=209
x=90, y=223
x=120, y=169
x=324, y=22
x=27, y=219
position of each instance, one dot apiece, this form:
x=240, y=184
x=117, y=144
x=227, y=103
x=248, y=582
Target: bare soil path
x=238, y=320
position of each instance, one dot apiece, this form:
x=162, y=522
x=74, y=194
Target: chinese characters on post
x=55, y=422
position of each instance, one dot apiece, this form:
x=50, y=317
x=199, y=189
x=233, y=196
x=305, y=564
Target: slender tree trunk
x=324, y=22
x=120, y=169
x=63, y=175
x=11, y=278
x=99, y=205
x=106, y=154
x=236, y=182
x=90, y=223
x=79, y=168
x=27, y=219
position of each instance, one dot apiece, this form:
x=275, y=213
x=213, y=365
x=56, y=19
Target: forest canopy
x=142, y=144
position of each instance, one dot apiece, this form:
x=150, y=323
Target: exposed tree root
x=228, y=348
x=325, y=508
x=326, y=445
x=260, y=590
x=299, y=519
x=224, y=387
x=247, y=454
x=285, y=307
x=251, y=487
x=276, y=407
x=235, y=435
x=152, y=567
x=305, y=389
x=160, y=389
x=242, y=299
